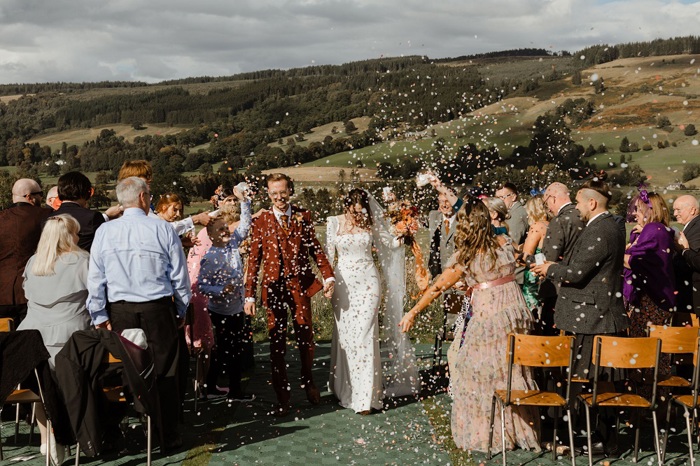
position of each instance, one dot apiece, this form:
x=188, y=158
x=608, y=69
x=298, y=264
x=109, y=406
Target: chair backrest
x=626, y=353
x=539, y=351
x=675, y=340
x=7, y=324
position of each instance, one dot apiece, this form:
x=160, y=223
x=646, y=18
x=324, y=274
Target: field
x=80, y=136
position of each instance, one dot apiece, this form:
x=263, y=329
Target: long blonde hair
x=56, y=240
x=474, y=234
x=536, y=210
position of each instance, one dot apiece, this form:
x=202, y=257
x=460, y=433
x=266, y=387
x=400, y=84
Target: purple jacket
x=651, y=268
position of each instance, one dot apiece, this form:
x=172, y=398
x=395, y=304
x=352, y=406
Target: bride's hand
x=407, y=322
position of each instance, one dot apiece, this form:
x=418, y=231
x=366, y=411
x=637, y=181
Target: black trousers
x=157, y=319
x=231, y=341
x=16, y=312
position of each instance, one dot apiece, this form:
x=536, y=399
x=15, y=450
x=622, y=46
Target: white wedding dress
x=356, y=369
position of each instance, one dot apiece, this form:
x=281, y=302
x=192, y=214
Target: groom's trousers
x=281, y=300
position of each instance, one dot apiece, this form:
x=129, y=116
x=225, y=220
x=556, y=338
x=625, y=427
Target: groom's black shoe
x=313, y=395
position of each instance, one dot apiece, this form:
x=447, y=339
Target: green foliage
x=663, y=122
x=625, y=145
x=690, y=171
x=690, y=130
x=632, y=175
x=6, y=182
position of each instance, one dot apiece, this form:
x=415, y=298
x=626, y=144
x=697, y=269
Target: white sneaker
x=58, y=452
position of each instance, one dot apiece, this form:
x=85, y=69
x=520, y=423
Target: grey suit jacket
x=562, y=233
x=590, y=297
x=517, y=223
x=446, y=247
x=691, y=257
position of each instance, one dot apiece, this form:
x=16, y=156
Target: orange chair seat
x=617, y=399
x=115, y=394
x=684, y=400
x=531, y=398
x=673, y=381
x=23, y=395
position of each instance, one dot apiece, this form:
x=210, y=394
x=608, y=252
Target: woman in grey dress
x=55, y=283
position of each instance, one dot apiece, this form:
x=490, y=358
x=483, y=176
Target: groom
x=281, y=241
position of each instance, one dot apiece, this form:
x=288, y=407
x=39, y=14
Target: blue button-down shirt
x=136, y=259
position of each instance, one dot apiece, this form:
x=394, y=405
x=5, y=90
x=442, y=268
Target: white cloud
x=83, y=40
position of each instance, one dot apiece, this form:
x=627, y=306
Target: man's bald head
x=686, y=208
x=556, y=196
x=27, y=190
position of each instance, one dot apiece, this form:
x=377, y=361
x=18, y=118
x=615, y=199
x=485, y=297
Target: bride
x=357, y=376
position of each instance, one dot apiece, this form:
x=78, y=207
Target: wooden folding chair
x=689, y=403
x=117, y=394
x=623, y=353
x=674, y=341
x=19, y=396
x=536, y=351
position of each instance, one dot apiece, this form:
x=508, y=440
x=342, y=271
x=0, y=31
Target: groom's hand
x=249, y=308
x=328, y=288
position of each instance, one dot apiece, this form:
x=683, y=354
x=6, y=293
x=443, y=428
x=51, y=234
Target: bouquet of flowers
x=405, y=222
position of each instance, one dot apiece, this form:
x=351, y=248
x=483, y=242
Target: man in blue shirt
x=138, y=279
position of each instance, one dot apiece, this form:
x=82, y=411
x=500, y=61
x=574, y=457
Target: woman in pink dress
x=477, y=357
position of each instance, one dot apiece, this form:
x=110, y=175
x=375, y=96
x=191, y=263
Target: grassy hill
x=80, y=136
x=637, y=91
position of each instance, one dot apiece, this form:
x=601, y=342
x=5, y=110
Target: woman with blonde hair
x=538, y=221
x=55, y=283
x=486, y=263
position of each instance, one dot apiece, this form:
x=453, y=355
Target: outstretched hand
x=407, y=322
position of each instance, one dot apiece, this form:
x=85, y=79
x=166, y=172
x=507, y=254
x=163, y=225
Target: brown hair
x=361, y=219
x=166, y=200
x=536, y=210
x=474, y=235
x=230, y=212
x=272, y=177
x=599, y=186
x=140, y=168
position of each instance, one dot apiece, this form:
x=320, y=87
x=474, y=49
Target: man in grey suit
x=590, y=280
x=517, y=223
x=558, y=244
x=442, y=228
x=686, y=209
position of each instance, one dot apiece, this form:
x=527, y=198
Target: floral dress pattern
x=478, y=367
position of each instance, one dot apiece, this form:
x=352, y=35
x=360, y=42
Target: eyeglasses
x=506, y=196
x=547, y=198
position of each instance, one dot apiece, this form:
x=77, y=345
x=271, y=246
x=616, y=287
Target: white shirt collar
x=451, y=219
x=563, y=207
x=279, y=214
x=589, y=221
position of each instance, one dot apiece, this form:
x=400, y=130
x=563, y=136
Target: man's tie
x=284, y=221
x=447, y=227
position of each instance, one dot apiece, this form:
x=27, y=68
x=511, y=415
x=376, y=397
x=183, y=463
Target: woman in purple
x=649, y=281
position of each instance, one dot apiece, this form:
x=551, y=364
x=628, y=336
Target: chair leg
x=48, y=442
x=637, y=428
x=77, y=454
x=493, y=413
x=16, y=422
x=689, y=428
x=503, y=433
x=571, y=437
x=148, y=440
x=588, y=435
x=657, y=444
x=31, y=424
x=554, y=435
x=668, y=428
x=2, y=456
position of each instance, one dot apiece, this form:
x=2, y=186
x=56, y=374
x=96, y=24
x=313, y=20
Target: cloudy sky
x=155, y=40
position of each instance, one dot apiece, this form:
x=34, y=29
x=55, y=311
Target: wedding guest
x=517, y=216
x=590, y=293
x=52, y=199
x=562, y=232
x=539, y=222
x=21, y=225
x=142, y=169
x=74, y=191
x=486, y=263
x=221, y=281
x=649, y=280
x=498, y=213
x=55, y=284
x=138, y=279
x=686, y=209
